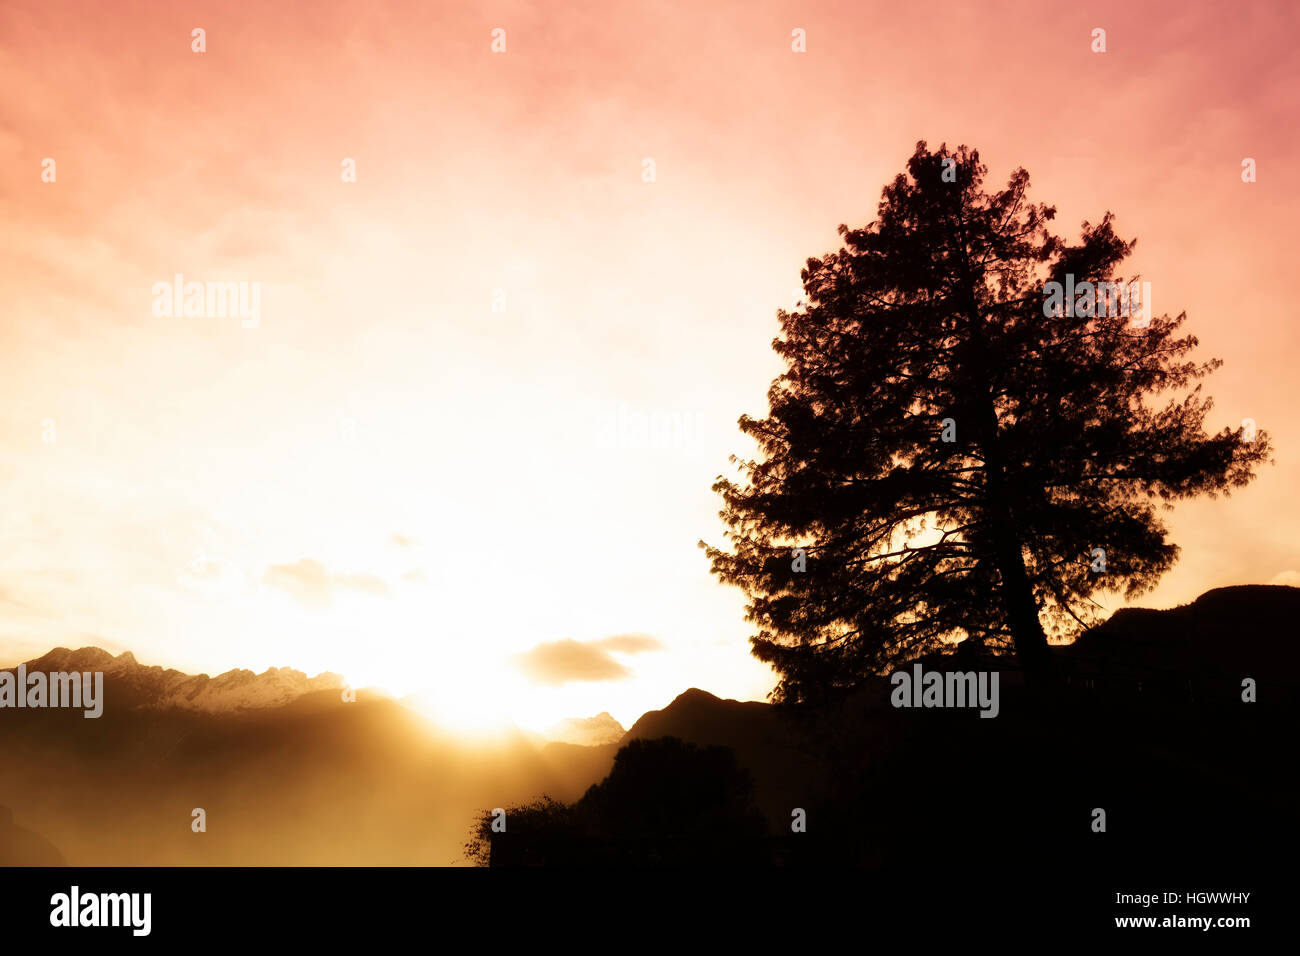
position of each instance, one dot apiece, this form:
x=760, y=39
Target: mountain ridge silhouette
x=155, y=687
x=317, y=781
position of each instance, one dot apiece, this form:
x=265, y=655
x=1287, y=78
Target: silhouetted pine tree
x=946, y=454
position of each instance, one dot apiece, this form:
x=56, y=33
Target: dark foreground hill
x=773, y=751
x=1149, y=726
x=1147, y=753
x=1219, y=639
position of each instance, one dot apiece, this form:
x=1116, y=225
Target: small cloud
x=208, y=575
x=311, y=583
x=1289, y=578
x=630, y=643
x=415, y=577
x=208, y=568
x=306, y=580
x=8, y=597
x=402, y=541
x=370, y=583
x=562, y=662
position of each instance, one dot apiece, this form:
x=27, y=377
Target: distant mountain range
x=135, y=685
x=288, y=773
x=586, y=731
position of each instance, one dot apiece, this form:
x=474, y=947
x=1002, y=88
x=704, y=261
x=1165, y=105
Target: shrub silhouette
x=665, y=802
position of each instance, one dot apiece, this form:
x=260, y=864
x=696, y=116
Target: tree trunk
x=1021, y=609
x=1017, y=595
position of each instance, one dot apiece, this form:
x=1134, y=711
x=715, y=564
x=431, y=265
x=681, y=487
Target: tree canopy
x=957, y=451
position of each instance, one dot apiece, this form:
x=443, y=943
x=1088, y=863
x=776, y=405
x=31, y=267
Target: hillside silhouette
x=666, y=802
x=1149, y=726
x=1224, y=635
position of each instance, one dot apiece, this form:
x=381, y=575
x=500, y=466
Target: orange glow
x=422, y=432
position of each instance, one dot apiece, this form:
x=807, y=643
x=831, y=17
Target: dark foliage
x=947, y=455
x=665, y=802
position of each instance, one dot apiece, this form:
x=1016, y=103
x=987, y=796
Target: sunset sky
x=389, y=479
